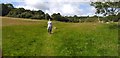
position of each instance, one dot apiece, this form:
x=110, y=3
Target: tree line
x=10, y=11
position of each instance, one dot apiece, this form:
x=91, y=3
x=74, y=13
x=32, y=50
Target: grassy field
x=30, y=38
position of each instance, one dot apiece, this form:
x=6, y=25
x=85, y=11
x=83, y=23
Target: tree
x=5, y=8
x=59, y=17
x=10, y=6
x=25, y=15
x=47, y=16
x=16, y=11
x=56, y=16
x=40, y=12
x=107, y=8
x=75, y=18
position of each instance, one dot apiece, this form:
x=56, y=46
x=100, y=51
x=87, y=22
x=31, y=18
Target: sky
x=64, y=7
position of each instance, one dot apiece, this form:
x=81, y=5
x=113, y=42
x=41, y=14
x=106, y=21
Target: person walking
x=49, y=27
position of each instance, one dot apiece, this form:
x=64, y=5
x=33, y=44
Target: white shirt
x=49, y=23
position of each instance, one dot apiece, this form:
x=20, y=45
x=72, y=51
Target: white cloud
x=9, y=1
x=65, y=7
x=27, y=7
x=92, y=11
x=71, y=10
x=52, y=6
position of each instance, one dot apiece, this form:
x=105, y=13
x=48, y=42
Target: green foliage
x=58, y=17
x=25, y=15
x=114, y=18
x=9, y=10
x=5, y=8
x=47, y=16
x=15, y=12
x=22, y=13
x=107, y=8
x=91, y=20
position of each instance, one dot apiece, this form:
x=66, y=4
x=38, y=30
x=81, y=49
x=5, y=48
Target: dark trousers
x=50, y=30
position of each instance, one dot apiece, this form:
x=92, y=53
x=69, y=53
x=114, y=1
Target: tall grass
x=68, y=39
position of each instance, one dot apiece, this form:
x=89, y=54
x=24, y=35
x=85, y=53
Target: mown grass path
x=48, y=48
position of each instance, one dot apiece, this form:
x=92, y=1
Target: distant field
x=30, y=38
